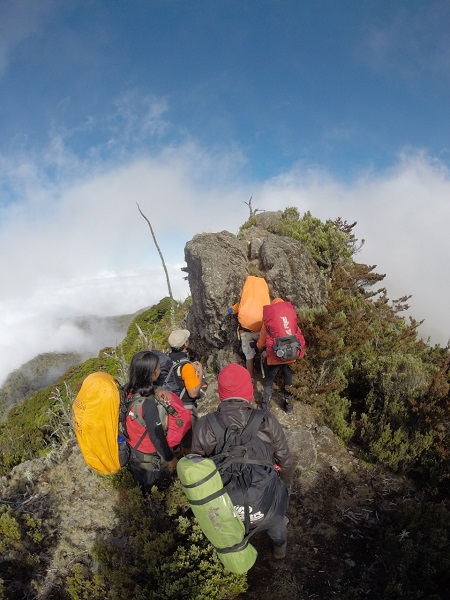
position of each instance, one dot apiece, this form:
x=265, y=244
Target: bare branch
x=144, y=337
x=119, y=357
x=252, y=211
x=61, y=418
x=163, y=262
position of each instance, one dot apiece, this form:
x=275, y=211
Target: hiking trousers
x=270, y=374
x=146, y=469
x=276, y=528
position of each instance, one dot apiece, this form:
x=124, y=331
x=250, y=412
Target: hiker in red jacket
x=279, y=323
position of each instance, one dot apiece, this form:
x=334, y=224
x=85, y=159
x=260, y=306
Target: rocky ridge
x=338, y=503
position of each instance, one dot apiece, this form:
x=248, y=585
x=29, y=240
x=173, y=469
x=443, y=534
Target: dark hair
x=142, y=366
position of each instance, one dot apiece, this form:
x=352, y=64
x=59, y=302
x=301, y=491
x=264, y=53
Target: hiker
x=191, y=372
x=254, y=295
x=279, y=322
x=148, y=443
x=269, y=502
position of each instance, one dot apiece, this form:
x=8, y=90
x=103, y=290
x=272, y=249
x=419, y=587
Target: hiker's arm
x=281, y=452
x=203, y=440
x=233, y=310
x=156, y=431
x=192, y=380
x=262, y=338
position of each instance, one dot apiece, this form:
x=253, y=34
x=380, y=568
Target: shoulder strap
x=135, y=403
x=253, y=423
x=224, y=455
x=174, y=368
x=133, y=408
x=217, y=425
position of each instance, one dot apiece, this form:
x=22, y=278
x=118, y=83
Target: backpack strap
x=139, y=442
x=134, y=409
x=217, y=425
x=176, y=364
x=223, y=434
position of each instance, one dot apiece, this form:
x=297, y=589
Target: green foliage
x=330, y=243
x=20, y=538
x=249, y=223
x=155, y=555
x=335, y=411
x=32, y=427
x=82, y=585
x=389, y=426
x=372, y=379
x=34, y=528
x=9, y=528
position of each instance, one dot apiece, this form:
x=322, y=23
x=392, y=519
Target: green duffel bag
x=215, y=512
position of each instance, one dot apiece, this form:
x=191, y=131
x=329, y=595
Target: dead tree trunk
x=172, y=306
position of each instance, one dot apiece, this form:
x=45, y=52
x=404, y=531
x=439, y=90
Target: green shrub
x=330, y=243
x=154, y=555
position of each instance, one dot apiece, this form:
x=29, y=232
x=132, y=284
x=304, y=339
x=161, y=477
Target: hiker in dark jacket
x=236, y=395
x=191, y=372
x=148, y=444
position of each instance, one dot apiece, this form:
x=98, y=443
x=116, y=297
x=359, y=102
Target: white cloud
x=40, y=319
x=403, y=215
x=79, y=246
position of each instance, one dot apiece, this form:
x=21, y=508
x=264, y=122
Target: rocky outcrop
x=217, y=266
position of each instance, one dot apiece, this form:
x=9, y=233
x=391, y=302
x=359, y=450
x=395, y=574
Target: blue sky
x=190, y=108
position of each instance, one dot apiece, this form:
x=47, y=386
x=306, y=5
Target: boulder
x=217, y=266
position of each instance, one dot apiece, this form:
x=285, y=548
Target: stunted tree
x=163, y=262
x=253, y=211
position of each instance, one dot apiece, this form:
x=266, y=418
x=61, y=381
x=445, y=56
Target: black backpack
x=287, y=347
x=170, y=377
x=246, y=466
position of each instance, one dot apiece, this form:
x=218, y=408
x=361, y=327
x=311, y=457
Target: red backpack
x=284, y=337
x=176, y=420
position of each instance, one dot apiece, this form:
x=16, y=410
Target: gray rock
x=303, y=448
x=217, y=266
x=291, y=272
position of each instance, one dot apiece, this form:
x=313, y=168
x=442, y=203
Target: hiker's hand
x=198, y=368
x=264, y=354
x=172, y=464
x=163, y=395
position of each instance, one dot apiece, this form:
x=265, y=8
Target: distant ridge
x=46, y=368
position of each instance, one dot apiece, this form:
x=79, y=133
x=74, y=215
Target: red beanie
x=235, y=382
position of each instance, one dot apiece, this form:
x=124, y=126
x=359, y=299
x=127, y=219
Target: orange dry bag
x=255, y=295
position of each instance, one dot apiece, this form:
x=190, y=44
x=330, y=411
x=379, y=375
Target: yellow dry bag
x=96, y=422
